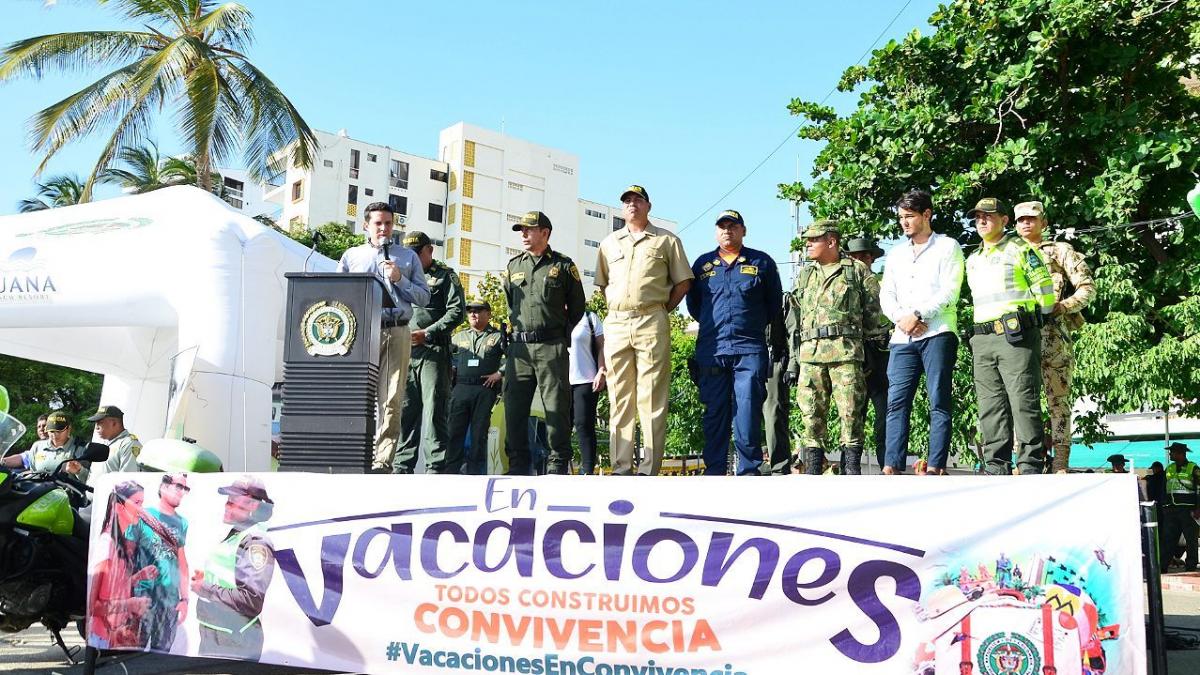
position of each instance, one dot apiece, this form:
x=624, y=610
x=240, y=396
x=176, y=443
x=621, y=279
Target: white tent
x=174, y=297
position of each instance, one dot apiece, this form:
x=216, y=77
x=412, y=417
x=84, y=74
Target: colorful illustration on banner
x=1020, y=616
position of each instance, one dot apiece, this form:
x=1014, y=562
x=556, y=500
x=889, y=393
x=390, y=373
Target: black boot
x=814, y=461
x=852, y=460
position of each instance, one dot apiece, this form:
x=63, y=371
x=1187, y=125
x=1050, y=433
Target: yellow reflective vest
x=1181, y=484
x=1007, y=276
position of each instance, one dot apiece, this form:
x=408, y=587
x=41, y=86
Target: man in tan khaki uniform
x=644, y=274
x=1073, y=290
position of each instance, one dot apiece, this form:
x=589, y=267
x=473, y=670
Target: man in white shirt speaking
x=921, y=281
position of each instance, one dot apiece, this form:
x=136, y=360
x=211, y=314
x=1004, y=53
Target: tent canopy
x=177, y=299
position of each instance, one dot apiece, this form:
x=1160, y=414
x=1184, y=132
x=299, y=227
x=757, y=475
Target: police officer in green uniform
x=545, y=301
x=1183, y=504
x=46, y=455
x=478, y=354
x=231, y=588
x=1012, y=291
x=424, y=420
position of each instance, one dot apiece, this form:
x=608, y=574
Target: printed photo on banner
x=400, y=574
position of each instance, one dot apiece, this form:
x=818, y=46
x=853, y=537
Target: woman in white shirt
x=587, y=373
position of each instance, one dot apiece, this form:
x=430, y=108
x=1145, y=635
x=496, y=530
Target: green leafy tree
x=1077, y=103
x=490, y=291
x=61, y=190
x=35, y=388
x=685, y=429
x=189, y=57
x=337, y=237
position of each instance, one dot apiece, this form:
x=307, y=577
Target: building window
x=464, y=252
x=515, y=186
x=468, y=217
x=465, y=280
x=352, y=209
x=350, y=224
x=589, y=273
x=452, y=217
x=595, y=214
x=352, y=194
x=591, y=242
x=468, y=184
x=369, y=191
x=439, y=176
x=328, y=163
x=354, y=157
x=371, y=158
x=618, y=223
x=296, y=224
x=564, y=169
x=512, y=217
x=450, y=249
x=510, y=252
x=435, y=212
x=469, y=153
x=297, y=190
x=399, y=204
x=453, y=181
x=398, y=174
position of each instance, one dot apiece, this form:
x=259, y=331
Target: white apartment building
x=349, y=174
x=466, y=202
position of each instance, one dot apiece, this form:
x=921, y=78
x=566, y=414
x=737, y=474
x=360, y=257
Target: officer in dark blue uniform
x=737, y=292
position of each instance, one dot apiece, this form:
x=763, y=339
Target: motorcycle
x=43, y=542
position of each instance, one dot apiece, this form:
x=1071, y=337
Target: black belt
x=544, y=335
x=470, y=379
x=835, y=330
x=997, y=327
x=393, y=323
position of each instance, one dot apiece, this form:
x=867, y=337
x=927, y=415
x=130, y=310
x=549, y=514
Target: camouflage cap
x=986, y=205
x=637, y=190
x=417, y=240
x=1035, y=209
x=864, y=245
x=821, y=228
x=732, y=216
x=57, y=421
x=532, y=219
x=106, y=411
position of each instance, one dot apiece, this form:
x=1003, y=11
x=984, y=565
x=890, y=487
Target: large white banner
x=669, y=576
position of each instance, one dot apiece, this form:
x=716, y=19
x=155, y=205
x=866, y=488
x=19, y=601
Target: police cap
x=532, y=219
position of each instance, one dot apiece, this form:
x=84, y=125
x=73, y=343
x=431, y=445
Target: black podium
x=330, y=372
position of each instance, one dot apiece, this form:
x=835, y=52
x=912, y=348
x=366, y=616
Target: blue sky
x=682, y=97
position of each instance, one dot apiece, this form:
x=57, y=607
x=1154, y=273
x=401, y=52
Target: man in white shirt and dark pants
x=921, y=282
x=399, y=271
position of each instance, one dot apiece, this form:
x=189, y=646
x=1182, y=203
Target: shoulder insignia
x=741, y=258
x=750, y=269
x=707, y=266
x=259, y=556
x=575, y=272
x=493, y=340
x=553, y=272
x=516, y=277
x=710, y=273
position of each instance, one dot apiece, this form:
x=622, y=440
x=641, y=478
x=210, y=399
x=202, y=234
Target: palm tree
x=61, y=190
x=190, y=56
x=147, y=171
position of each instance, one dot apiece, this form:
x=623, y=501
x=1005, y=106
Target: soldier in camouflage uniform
x=425, y=415
x=777, y=409
x=1073, y=290
x=835, y=305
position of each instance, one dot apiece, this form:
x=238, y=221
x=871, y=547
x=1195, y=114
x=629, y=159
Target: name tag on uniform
x=750, y=269
x=473, y=362
x=710, y=273
x=517, y=277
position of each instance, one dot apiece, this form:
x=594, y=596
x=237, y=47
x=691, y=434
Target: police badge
x=328, y=328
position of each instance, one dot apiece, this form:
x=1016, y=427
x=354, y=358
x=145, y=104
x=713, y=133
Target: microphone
x=317, y=238
x=385, y=251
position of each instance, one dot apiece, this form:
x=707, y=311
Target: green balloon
x=3, y=399
x=1194, y=200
